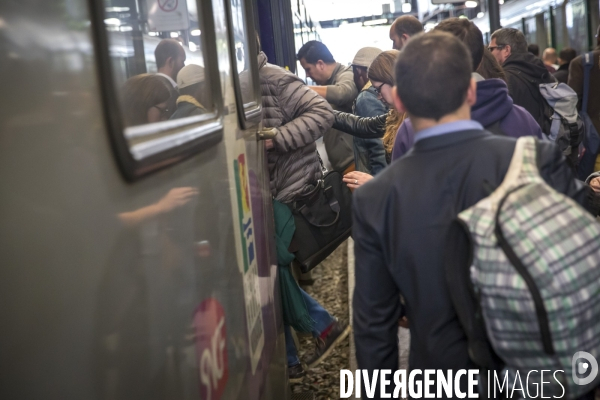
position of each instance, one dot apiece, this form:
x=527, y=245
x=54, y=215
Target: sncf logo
x=211, y=348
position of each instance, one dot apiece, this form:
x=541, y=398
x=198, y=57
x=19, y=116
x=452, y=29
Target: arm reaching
x=365, y=128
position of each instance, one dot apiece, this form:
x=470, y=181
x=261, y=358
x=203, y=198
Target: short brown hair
x=382, y=67
x=567, y=55
x=433, y=74
x=139, y=93
x=468, y=33
x=165, y=49
x=407, y=24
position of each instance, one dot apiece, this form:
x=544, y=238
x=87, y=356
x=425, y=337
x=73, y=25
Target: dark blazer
x=400, y=223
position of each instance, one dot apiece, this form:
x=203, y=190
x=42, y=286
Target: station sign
x=167, y=15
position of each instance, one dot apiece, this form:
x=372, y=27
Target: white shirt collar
x=169, y=78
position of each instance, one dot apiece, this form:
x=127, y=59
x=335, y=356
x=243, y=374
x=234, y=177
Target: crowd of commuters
x=415, y=130
x=430, y=120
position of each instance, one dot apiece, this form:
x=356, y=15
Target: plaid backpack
x=536, y=275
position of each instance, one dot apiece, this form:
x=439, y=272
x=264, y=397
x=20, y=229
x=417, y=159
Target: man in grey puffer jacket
x=300, y=117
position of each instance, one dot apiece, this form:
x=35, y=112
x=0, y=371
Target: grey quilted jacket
x=301, y=116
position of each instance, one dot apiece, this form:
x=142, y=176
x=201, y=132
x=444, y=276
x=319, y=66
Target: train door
x=137, y=259
x=249, y=171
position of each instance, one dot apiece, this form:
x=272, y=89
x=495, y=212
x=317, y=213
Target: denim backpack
x=563, y=124
x=536, y=278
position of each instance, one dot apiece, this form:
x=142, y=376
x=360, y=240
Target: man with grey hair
x=524, y=71
x=369, y=154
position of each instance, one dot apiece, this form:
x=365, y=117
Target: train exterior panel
x=160, y=284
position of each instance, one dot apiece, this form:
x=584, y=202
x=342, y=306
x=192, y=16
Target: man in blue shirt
x=403, y=215
x=369, y=154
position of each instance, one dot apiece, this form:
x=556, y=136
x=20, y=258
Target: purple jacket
x=493, y=104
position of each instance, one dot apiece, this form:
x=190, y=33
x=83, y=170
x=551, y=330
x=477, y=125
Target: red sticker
x=211, y=348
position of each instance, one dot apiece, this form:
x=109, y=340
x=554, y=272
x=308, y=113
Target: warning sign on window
x=167, y=15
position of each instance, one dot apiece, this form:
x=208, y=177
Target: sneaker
x=296, y=373
x=337, y=333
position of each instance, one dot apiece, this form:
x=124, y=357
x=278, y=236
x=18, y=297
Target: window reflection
x=242, y=59
x=157, y=58
x=145, y=99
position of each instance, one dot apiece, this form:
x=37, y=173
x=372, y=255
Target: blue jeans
x=322, y=321
x=369, y=155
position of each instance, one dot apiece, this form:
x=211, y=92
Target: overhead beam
x=494, y=14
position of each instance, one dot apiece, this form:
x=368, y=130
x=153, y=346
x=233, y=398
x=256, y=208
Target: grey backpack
x=562, y=123
x=535, y=271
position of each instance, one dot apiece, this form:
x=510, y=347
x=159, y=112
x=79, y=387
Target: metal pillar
x=494, y=14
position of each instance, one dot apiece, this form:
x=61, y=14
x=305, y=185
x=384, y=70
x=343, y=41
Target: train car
x=137, y=260
x=548, y=23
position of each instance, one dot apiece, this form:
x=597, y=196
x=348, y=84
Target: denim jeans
x=369, y=155
x=322, y=320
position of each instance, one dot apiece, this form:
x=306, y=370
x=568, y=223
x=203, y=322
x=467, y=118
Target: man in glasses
x=524, y=71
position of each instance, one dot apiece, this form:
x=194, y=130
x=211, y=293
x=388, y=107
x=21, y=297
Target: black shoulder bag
x=323, y=220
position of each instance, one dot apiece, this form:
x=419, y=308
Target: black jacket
x=361, y=127
x=524, y=73
x=401, y=219
x=562, y=74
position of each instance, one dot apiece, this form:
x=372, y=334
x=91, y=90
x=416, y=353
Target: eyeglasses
x=378, y=89
x=491, y=48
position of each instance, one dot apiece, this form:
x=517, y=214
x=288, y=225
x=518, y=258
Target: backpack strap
x=522, y=169
x=588, y=63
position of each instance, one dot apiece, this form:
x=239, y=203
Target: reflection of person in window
x=192, y=92
x=144, y=100
x=170, y=58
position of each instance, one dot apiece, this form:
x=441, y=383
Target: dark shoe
x=338, y=332
x=296, y=373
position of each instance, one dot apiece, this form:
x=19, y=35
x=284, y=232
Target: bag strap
x=323, y=169
x=588, y=63
x=522, y=169
x=538, y=301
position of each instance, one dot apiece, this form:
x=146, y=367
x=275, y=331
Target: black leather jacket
x=361, y=127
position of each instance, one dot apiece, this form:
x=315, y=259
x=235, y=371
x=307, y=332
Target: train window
x=244, y=53
x=160, y=80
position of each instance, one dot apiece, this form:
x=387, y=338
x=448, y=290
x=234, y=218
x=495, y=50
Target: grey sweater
x=341, y=93
x=301, y=117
